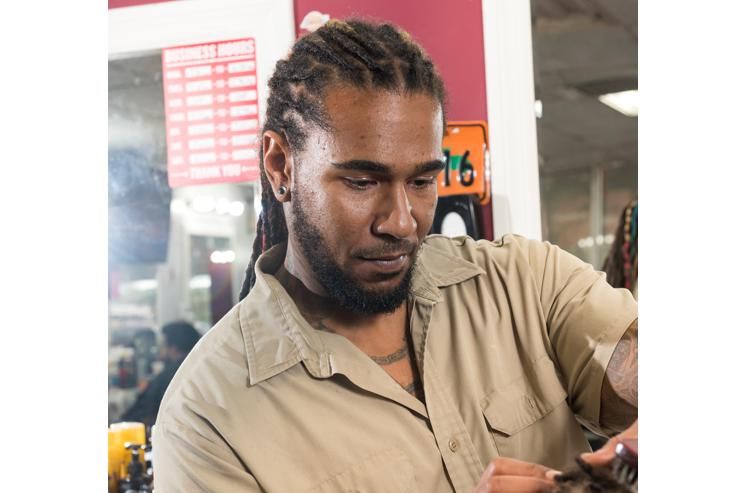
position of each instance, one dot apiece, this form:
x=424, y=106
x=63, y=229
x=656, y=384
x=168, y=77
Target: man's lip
x=388, y=257
x=388, y=265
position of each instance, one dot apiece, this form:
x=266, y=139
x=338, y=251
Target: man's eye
x=424, y=182
x=359, y=184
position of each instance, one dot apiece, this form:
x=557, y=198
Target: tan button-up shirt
x=512, y=339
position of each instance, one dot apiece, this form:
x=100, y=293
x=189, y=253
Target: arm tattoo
x=619, y=395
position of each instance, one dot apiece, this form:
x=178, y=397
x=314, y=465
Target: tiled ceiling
x=583, y=48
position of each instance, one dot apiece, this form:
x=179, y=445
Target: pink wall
x=450, y=31
x=116, y=4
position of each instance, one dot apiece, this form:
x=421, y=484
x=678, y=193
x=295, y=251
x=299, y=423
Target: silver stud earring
x=282, y=190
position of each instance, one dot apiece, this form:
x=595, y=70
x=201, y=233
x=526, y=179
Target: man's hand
x=607, y=453
x=505, y=475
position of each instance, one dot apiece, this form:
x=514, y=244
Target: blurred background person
x=178, y=339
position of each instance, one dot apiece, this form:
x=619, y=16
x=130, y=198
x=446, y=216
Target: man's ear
x=278, y=164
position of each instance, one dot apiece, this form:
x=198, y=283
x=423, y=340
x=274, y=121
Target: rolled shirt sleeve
x=586, y=318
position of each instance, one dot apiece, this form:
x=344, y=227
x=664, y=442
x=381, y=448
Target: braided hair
x=621, y=264
x=356, y=53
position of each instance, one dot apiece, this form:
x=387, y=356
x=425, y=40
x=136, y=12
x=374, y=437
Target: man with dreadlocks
x=366, y=355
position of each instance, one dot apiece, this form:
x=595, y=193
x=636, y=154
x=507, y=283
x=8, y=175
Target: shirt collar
x=277, y=337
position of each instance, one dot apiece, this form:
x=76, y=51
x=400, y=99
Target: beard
x=338, y=284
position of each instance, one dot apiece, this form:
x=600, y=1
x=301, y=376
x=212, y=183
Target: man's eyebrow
x=436, y=165
x=375, y=167
x=363, y=165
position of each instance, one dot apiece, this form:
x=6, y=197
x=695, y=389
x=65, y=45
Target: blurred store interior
x=584, y=51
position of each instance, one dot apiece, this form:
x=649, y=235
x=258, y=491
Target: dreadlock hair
x=354, y=52
x=621, y=264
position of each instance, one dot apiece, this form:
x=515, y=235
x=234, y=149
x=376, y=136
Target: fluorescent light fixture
x=589, y=242
x=223, y=257
x=625, y=102
x=538, y=108
x=586, y=242
x=236, y=208
x=222, y=206
x=144, y=285
x=204, y=204
x=200, y=282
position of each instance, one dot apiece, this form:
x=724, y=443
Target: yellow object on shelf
x=119, y=434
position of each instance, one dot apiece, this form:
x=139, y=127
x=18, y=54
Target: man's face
x=364, y=195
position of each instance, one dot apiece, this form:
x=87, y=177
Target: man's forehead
x=383, y=125
x=349, y=107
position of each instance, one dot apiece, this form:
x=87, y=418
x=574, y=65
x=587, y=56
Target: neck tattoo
x=321, y=326
x=411, y=388
x=398, y=355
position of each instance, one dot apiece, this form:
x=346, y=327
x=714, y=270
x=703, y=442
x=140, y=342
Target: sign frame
x=467, y=161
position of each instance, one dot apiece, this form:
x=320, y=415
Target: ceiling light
x=223, y=257
x=204, y=204
x=200, y=282
x=236, y=208
x=586, y=242
x=222, y=206
x=144, y=285
x=538, y=108
x=625, y=102
x=589, y=242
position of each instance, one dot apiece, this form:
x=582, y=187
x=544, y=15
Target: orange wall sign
x=467, y=171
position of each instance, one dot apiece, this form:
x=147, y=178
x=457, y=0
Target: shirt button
x=453, y=445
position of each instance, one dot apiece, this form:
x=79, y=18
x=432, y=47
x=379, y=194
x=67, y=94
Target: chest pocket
x=387, y=471
x=524, y=416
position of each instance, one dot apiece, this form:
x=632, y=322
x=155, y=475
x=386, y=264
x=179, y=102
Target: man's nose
x=395, y=218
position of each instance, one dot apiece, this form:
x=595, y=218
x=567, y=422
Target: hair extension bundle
x=621, y=264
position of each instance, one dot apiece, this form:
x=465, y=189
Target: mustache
x=388, y=247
